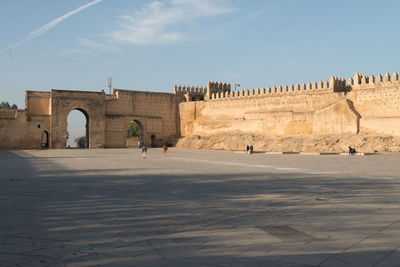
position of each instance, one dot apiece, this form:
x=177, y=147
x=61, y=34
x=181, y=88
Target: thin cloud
x=42, y=30
x=97, y=46
x=164, y=22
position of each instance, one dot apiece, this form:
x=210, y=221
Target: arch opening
x=45, y=140
x=78, y=129
x=135, y=134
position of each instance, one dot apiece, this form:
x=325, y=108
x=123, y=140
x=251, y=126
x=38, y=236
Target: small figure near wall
x=144, y=152
x=251, y=149
x=247, y=149
x=352, y=151
x=165, y=149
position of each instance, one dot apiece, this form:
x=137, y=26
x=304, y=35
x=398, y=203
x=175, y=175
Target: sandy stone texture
x=327, y=143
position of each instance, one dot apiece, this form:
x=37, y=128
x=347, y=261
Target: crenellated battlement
x=190, y=93
x=362, y=81
x=218, y=90
x=334, y=84
x=183, y=89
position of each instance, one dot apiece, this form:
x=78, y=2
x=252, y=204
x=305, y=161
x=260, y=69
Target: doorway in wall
x=135, y=134
x=45, y=140
x=78, y=129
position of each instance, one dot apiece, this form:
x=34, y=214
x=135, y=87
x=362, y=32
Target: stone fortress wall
x=156, y=112
x=108, y=116
x=361, y=105
x=23, y=129
x=377, y=99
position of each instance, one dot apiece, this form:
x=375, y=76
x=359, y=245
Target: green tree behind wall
x=6, y=105
x=81, y=142
x=133, y=130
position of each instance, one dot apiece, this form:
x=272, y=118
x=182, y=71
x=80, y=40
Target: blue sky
x=152, y=45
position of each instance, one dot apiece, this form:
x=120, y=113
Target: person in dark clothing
x=247, y=149
x=352, y=151
x=144, y=152
x=251, y=149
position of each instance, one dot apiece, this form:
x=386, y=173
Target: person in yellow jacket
x=165, y=148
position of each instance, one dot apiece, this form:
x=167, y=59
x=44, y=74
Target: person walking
x=165, y=149
x=144, y=152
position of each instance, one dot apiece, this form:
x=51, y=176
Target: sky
x=152, y=45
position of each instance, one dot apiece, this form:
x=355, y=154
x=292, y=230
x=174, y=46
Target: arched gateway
x=81, y=112
x=90, y=104
x=107, y=117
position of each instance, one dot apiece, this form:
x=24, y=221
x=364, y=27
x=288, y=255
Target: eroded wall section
x=278, y=114
x=377, y=99
x=364, y=105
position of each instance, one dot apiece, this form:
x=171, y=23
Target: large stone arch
x=90, y=104
x=87, y=126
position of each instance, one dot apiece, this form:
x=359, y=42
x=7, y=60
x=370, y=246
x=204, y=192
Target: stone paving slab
x=110, y=207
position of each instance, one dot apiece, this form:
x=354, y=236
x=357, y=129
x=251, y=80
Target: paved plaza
x=110, y=207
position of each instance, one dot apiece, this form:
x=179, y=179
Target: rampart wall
x=377, y=100
x=20, y=130
x=23, y=129
x=363, y=104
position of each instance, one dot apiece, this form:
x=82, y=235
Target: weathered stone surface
x=338, y=118
x=364, y=106
x=301, y=143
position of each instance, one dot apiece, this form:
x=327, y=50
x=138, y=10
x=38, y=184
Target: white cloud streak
x=163, y=22
x=45, y=28
x=94, y=45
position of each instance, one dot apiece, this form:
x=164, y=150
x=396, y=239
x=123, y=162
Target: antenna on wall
x=109, y=82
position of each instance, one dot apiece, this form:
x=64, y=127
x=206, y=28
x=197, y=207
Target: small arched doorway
x=135, y=134
x=45, y=140
x=78, y=129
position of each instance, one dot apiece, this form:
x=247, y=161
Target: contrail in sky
x=40, y=31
